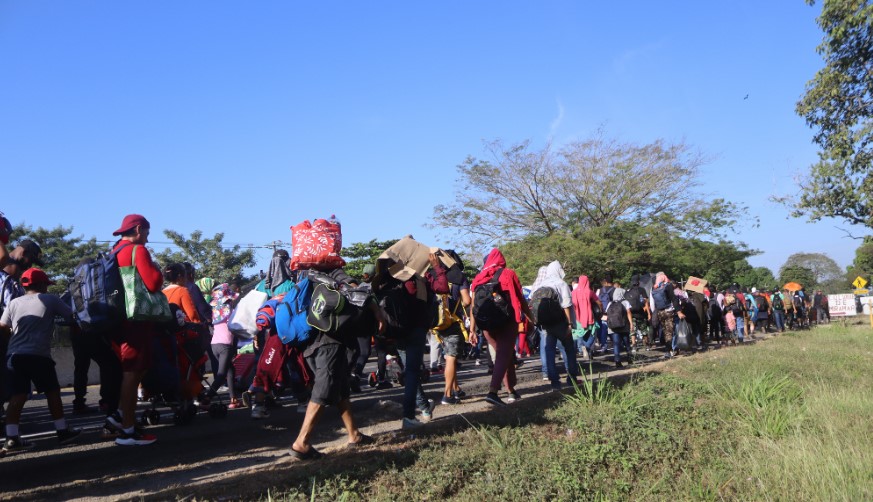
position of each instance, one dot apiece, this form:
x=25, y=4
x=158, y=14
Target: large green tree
x=61, y=251
x=210, y=257
x=359, y=254
x=863, y=263
x=822, y=269
x=520, y=191
x=838, y=105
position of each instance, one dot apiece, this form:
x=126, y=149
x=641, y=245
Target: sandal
x=235, y=404
x=312, y=454
x=363, y=440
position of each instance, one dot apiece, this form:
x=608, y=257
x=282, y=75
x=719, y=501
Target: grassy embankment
x=786, y=419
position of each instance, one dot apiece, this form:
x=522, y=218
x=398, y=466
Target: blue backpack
x=97, y=292
x=291, y=325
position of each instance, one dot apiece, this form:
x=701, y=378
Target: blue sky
x=248, y=117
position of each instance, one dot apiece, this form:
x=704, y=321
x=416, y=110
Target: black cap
x=32, y=251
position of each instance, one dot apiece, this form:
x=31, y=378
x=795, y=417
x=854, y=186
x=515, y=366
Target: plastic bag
x=317, y=245
x=683, y=335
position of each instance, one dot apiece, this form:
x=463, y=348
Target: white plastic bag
x=242, y=322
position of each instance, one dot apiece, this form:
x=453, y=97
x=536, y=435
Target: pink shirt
x=221, y=335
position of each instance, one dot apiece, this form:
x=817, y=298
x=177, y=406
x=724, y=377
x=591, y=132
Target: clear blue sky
x=247, y=117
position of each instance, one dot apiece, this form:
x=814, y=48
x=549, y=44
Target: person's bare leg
x=55, y=406
x=14, y=407
x=345, y=410
x=313, y=413
x=451, y=375
x=127, y=400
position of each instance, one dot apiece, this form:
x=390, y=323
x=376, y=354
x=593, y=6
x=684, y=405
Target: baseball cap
x=130, y=222
x=32, y=251
x=34, y=276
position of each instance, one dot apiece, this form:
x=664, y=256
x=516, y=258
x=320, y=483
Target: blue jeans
x=603, y=334
x=740, y=328
x=548, y=343
x=779, y=319
x=412, y=352
x=619, y=339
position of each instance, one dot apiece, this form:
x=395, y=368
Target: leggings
x=224, y=354
x=502, y=340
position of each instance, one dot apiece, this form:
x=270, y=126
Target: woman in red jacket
x=501, y=338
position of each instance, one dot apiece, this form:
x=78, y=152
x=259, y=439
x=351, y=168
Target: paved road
x=209, y=448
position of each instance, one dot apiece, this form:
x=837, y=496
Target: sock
x=11, y=430
x=128, y=430
x=60, y=424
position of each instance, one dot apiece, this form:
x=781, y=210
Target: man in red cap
x=135, y=337
x=29, y=319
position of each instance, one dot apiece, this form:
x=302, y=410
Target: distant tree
x=838, y=105
x=359, y=254
x=822, y=268
x=521, y=191
x=755, y=277
x=795, y=273
x=61, y=252
x=863, y=263
x=209, y=256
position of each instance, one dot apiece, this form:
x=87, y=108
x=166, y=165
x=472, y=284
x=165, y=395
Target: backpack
x=445, y=316
x=777, y=302
x=660, y=297
x=637, y=299
x=490, y=307
x=97, y=292
x=395, y=303
x=616, y=318
x=729, y=300
x=763, y=306
x=291, y=315
x=545, y=303
x=606, y=295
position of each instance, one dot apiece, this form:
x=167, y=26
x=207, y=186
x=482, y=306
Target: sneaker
x=135, y=439
x=513, y=397
x=545, y=378
x=113, y=422
x=451, y=400
x=427, y=414
x=223, y=388
x=494, y=399
x=459, y=394
x=384, y=384
x=260, y=411
x=519, y=363
x=80, y=408
x=15, y=444
x=411, y=423
x=67, y=436
x=619, y=365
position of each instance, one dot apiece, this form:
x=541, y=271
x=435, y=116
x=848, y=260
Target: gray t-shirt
x=32, y=318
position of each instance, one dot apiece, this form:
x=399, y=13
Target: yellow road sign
x=861, y=291
x=859, y=282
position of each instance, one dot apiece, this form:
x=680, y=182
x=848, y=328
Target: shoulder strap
x=116, y=251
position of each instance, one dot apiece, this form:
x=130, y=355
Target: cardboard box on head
x=696, y=284
x=410, y=258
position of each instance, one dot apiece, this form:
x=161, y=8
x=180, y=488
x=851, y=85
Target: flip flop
x=312, y=454
x=363, y=439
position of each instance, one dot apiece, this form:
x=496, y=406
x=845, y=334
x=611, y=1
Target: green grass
x=786, y=419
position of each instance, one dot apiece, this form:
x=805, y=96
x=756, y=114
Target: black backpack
x=396, y=303
x=616, y=317
x=637, y=299
x=545, y=303
x=491, y=309
x=763, y=306
x=777, y=303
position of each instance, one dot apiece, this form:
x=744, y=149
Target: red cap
x=130, y=222
x=34, y=276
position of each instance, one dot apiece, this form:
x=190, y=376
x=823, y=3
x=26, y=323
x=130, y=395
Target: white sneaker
x=259, y=412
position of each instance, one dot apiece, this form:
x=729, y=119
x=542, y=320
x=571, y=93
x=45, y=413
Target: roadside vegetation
x=785, y=419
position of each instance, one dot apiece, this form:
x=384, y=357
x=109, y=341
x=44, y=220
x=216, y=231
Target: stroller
x=177, y=376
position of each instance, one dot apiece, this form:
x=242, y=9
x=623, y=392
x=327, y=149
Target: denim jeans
x=603, y=335
x=619, y=339
x=779, y=319
x=412, y=353
x=740, y=330
x=548, y=344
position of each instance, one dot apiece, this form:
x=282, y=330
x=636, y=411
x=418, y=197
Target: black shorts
x=331, y=369
x=452, y=339
x=26, y=368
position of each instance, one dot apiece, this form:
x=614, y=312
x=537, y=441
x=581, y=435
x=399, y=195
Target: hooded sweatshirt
x=555, y=279
x=509, y=282
x=582, y=299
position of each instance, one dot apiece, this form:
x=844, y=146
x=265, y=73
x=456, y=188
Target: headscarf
x=582, y=297
x=661, y=278
x=221, y=300
x=279, y=271
x=541, y=278
x=206, y=284
x=493, y=262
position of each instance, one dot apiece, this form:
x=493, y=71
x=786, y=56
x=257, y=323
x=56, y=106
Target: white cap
x=754, y=290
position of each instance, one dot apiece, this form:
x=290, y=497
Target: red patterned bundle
x=317, y=245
